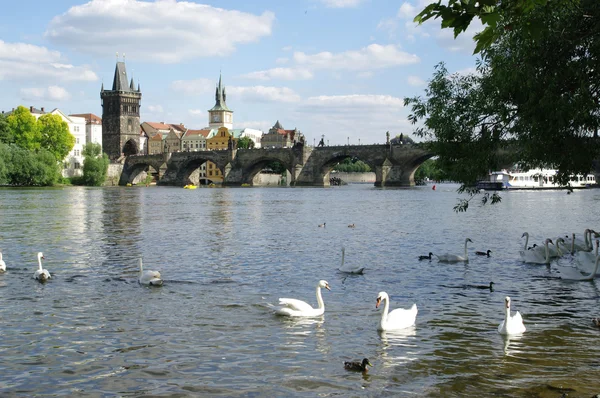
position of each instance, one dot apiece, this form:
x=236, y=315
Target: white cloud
x=282, y=60
x=166, y=31
x=264, y=94
x=415, y=81
x=50, y=93
x=194, y=87
x=155, y=108
x=280, y=73
x=407, y=11
x=23, y=61
x=286, y=48
x=374, y=56
x=389, y=25
x=341, y=3
x=349, y=103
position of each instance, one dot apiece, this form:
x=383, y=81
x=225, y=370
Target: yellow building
x=221, y=140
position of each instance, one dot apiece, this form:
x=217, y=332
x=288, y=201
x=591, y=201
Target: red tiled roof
x=90, y=118
x=203, y=132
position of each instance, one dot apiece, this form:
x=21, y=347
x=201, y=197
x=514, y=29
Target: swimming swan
x=535, y=257
x=41, y=274
x=151, y=278
x=585, y=260
x=350, y=269
x=298, y=308
x=2, y=264
x=512, y=324
x=399, y=318
x=575, y=274
x=453, y=258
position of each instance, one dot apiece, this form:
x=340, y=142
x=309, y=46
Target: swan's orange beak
x=327, y=287
x=378, y=302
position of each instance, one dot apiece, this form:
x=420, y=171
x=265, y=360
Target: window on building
x=77, y=140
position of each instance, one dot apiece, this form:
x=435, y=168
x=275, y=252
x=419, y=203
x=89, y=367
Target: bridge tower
x=220, y=115
x=121, y=116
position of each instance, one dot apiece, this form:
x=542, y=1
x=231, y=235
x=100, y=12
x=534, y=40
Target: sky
x=334, y=68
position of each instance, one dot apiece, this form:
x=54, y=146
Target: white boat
x=533, y=179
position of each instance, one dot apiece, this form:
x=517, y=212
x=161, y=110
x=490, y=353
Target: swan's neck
x=320, y=298
x=547, y=252
x=141, y=267
x=586, y=241
x=526, y=241
x=573, y=244
x=596, y=254
x=506, y=315
x=343, y=255
x=384, y=314
x=40, y=263
x=466, y=255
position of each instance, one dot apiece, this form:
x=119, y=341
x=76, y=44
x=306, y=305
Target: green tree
x=4, y=156
x=6, y=135
x=245, y=143
x=95, y=165
x=28, y=168
x=24, y=128
x=458, y=15
x=55, y=135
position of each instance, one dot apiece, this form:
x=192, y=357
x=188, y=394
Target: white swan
x=151, y=278
x=585, y=260
x=350, y=269
x=579, y=274
x=535, y=257
x=399, y=318
x=453, y=258
x=41, y=274
x=298, y=308
x=2, y=264
x=512, y=324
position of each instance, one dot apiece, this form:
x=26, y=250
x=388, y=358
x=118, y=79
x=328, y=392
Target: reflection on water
x=224, y=253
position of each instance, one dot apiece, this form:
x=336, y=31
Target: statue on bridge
x=321, y=143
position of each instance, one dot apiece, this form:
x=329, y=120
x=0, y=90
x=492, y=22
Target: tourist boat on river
x=532, y=179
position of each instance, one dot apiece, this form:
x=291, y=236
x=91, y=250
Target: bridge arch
x=136, y=165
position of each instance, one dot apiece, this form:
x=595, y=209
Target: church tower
x=121, y=116
x=220, y=115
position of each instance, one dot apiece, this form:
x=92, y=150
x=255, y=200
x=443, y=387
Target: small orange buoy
x=433, y=187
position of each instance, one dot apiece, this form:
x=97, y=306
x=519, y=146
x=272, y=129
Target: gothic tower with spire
x=220, y=115
x=121, y=116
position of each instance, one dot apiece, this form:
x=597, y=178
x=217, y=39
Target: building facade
x=278, y=137
x=121, y=116
x=93, y=127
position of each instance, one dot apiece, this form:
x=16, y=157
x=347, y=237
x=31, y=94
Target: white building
x=93, y=127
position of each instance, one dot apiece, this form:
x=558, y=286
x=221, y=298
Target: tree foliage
x=352, y=165
x=24, y=128
x=535, y=98
x=245, y=143
x=5, y=131
x=430, y=169
x=55, y=135
x=22, y=167
x=458, y=15
x=95, y=165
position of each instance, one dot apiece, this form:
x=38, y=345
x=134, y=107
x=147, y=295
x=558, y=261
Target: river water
x=227, y=254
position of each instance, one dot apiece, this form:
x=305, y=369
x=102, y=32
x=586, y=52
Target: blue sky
x=339, y=68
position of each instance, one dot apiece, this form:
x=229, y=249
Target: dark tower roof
x=120, y=80
x=278, y=126
x=220, y=98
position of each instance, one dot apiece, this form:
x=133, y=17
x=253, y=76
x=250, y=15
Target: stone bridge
x=394, y=165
